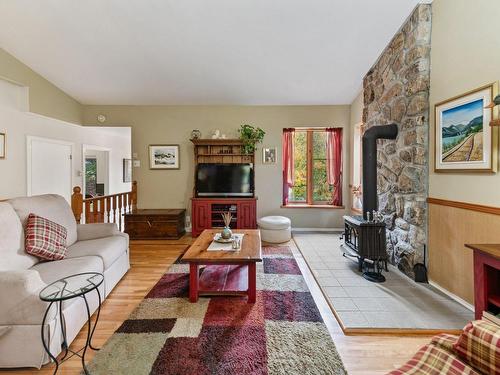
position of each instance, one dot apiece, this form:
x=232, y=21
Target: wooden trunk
x=155, y=224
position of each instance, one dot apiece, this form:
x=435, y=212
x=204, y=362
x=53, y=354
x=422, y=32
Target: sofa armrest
x=99, y=230
x=20, y=301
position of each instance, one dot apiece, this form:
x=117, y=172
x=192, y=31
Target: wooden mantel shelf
x=216, y=142
x=490, y=249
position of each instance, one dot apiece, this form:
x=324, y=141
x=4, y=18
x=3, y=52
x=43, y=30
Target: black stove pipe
x=370, y=200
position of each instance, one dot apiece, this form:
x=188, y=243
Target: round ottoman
x=275, y=229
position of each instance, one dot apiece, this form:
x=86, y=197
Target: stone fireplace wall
x=396, y=89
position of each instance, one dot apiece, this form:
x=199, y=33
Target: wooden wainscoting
x=451, y=225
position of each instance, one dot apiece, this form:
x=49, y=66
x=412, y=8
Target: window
x=90, y=177
x=310, y=184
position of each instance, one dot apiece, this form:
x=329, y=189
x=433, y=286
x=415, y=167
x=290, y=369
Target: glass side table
x=69, y=287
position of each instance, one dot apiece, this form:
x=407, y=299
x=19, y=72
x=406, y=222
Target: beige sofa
x=91, y=248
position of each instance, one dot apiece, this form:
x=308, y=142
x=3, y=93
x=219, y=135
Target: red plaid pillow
x=45, y=239
x=479, y=344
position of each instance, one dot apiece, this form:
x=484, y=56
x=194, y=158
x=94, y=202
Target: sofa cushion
x=45, y=239
x=108, y=249
x=51, y=206
x=479, y=345
x=53, y=271
x=12, y=254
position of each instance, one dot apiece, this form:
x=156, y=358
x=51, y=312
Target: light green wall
x=465, y=55
x=173, y=125
x=44, y=98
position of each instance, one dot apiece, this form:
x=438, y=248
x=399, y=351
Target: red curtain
x=288, y=162
x=334, y=163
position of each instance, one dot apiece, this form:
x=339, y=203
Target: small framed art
x=464, y=141
x=269, y=155
x=164, y=157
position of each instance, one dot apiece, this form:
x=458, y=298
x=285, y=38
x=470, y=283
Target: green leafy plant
x=250, y=136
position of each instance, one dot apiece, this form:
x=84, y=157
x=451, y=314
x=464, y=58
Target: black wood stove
x=364, y=236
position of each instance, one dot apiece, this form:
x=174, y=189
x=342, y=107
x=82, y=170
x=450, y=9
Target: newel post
x=77, y=203
x=134, y=195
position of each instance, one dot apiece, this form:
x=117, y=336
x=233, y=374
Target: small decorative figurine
x=216, y=134
x=195, y=134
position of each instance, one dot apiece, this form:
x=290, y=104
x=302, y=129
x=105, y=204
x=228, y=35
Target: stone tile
x=328, y=281
x=380, y=319
x=361, y=291
x=322, y=273
x=318, y=266
x=368, y=304
x=351, y=281
x=353, y=319
x=343, y=304
x=347, y=273
x=395, y=304
x=335, y=291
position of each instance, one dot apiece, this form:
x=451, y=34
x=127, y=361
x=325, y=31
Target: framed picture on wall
x=127, y=170
x=464, y=140
x=2, y=145
x=164, y=157
x=269, y=155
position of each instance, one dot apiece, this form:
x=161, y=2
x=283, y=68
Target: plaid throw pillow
x=45, y=239
x=479, y=344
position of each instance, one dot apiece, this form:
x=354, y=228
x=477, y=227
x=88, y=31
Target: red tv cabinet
x=206, y=213
x=486, y=279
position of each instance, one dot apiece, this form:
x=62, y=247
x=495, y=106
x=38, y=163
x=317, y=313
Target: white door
x=49, y=167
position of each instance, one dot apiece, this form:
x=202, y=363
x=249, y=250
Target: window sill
x=321, y=206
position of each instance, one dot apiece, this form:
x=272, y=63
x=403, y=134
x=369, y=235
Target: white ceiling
x=202, y=51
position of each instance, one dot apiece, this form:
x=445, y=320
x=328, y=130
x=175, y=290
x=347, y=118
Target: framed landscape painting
x=164, y=157
x=464, y=140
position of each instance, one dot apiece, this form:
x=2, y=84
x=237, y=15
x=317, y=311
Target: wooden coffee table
x=226, y=272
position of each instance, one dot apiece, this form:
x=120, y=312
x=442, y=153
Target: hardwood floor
x=362, y=355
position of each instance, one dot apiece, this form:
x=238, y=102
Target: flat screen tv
x=224, y=180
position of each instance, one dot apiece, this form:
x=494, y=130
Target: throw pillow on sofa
x=479, y=345
x=45, y=239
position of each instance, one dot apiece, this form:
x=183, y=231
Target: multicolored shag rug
x=282, y=333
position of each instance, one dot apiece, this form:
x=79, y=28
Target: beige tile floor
x=397, y=303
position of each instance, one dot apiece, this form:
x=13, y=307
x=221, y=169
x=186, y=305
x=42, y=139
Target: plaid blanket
x=479, y=345
x=475, y=352
x=436, y=358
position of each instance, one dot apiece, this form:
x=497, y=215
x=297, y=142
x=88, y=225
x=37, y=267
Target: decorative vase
x=226, y=233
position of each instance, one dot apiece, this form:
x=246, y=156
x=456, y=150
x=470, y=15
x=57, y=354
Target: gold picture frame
x=464, y=141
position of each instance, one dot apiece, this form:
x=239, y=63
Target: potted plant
x=250, y=136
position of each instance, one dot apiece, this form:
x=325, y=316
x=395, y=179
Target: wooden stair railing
x=104, y=209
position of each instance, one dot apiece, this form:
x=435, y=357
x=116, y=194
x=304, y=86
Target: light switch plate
x=137, y=163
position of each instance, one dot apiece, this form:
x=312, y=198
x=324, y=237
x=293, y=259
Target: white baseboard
x=317, y=229
x=461, y=301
